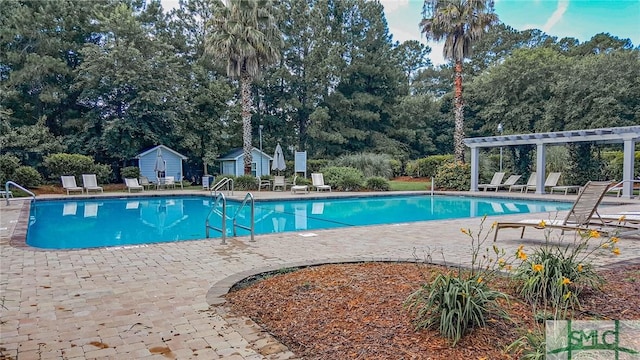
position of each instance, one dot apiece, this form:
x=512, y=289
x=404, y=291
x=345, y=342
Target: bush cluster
x=12, y=170
x=453, y=176
x=428, y=166
x=130, y=172
x=343, y=178
x=75, y=164
x=369, y=164
x=377, y=183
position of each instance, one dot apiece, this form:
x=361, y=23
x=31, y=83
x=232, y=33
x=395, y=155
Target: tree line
x=110, y=79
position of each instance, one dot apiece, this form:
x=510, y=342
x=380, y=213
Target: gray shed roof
x=234, y=154
x=164, y=148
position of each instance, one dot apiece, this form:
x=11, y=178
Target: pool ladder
x=7, y=194
x=220, y=198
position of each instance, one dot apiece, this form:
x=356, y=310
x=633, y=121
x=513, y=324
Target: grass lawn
x=410, y=185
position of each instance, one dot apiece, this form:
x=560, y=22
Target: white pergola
x=628, y=135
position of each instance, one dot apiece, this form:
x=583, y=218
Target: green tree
x=459, y=23
x=244, y=35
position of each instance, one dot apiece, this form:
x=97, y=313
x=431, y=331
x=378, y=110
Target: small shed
x=232, y=163
x=172, y=159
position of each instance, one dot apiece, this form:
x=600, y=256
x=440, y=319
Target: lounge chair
x=496, y=180
x=144, y=182
x=317, y=179
x=69, y=184
x=133, y=184
x=550, y=182
x=511, y=180
x=530, y=182
x=170, y=182
x=263, y=184
x=566, y=188
x=580, y=217
x=278, y=182
x=295, y=188
x=6, y=194
x=89, y=182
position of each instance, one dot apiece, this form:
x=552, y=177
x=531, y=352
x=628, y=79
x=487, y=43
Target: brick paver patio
x=162, y=301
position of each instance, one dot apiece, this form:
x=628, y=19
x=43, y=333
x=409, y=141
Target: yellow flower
x=520, y=248
x=501, y=262
x=622, y=218
x=495, y=223
x=580, y=267
x=614, y=239
x=566, y=281
x=464, y=231
x=479, y=279
x=508, y=267
x=616, y=251
x=594, y=234
x=605, y=245
x=537, y=267
x=567, y=295
x=522, y=255
x=542, y=224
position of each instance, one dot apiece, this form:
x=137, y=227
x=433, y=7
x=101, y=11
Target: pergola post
x=540, y=167
x=627, y=168
x=475, y=160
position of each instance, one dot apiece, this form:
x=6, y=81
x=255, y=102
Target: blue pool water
x=68, y=224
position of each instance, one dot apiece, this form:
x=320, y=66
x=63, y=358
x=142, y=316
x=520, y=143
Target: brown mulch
x=355, y=311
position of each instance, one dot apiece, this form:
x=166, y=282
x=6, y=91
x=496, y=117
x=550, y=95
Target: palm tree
x=459, y=23
x=245, y=36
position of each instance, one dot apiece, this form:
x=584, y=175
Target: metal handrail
x=221, y=183
x=251, y=228
x=223, y=228
x=6, y=188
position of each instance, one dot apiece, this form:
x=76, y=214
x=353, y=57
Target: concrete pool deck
x=162, y=301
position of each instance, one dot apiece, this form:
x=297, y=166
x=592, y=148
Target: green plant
x=377, y=184
x=530, y=346
x=68, y=164
x=27, y=176
x=8, y=165
x=453, y=176
x=453, y=304
x=343, y=178
x=554, y=275
x=369, y=164
x=130, y=172
x=245, y=182
x=428, y=166
x=316, y=165
x=456, y=303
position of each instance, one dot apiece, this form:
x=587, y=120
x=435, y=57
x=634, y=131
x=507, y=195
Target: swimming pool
x=69, y=224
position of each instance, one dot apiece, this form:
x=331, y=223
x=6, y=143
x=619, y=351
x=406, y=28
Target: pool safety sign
x=592, y=339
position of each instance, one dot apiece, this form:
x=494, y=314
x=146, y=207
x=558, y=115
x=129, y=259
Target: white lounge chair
x=69, y=184
x=550, y=182
x=530, y=182
x=317, y=179
x=144, y=181
x=133, y=184
x=263, y=184
x=511, y=180
x=89, y=182
x=295, y=188
x=6, y=194
x=496, y=180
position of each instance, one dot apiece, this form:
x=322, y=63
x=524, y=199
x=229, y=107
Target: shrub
x=130, y=172
x=68, y=164
x=343, y=178
x=377, y=183
x=428, y=166
x=396, y=167
x=103, y=172
x=455, y=303
x=613, y=161
x=314, y=166
x=369, y=164
x=245, y=182
x=8, y=165
x=27, y=177
x=453, y=176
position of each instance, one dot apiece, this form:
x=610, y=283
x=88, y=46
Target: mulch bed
x=355, y=311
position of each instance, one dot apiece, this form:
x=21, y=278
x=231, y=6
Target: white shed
x=172, y=159
x=232, y=163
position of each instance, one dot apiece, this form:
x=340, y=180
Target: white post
x=540, y=168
